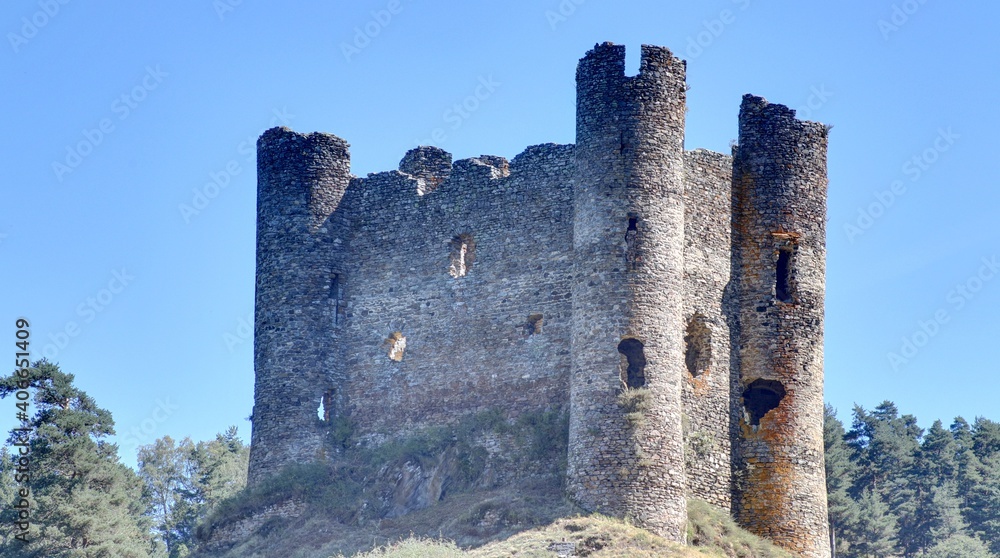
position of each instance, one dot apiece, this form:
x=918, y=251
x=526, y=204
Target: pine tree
x=883, y=446
x=873, y=534
x=959, y=546
x=8, y=491
x=85, y=502
x=984, y=502
x=928, y=507
x=842, y=510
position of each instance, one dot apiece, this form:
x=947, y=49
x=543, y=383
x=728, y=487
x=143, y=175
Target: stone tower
x=300, y=182
x=779, y=245
x=628, y=326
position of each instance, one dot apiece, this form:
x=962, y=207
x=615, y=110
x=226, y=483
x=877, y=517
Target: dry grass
x=712, y=532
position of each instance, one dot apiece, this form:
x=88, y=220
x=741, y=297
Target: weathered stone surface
x=670, y=301
x=228, y=535
x=779, y=205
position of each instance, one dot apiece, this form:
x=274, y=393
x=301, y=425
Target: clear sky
x=128, y=214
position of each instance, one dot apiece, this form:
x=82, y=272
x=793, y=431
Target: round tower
x=779, y=242
x=626, y=454
x=301, y=179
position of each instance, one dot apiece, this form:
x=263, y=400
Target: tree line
x=895, y=489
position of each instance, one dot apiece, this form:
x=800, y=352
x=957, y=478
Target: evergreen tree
x=985, y=437
x=968, y=469
x=983, y=511
x=84, y=502
x=875, y=530
x=221, y=466
x=842, y=510
x=928, y=506
x=959, y=546
x=8, y=490
x=883, y=446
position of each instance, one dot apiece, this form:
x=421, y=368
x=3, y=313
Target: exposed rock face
x=418, y=486
x=233, y=533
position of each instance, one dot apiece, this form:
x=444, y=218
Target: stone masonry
x=669, y=301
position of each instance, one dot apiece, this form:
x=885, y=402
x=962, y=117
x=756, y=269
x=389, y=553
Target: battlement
x=667, y=303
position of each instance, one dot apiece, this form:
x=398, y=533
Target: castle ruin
x=620, y=276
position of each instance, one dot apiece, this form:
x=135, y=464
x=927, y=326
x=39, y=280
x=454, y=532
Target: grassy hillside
x=494, y=525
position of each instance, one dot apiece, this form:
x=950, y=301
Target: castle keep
x=669, y=302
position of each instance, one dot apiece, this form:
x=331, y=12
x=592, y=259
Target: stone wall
x=707, y=374
x=469, y=284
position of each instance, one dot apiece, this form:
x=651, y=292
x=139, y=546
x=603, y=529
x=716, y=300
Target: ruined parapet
x=301, y=179
x=429, y=165
x=626, y=455
x=779, y=245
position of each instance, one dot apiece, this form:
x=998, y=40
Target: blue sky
x=127, y=228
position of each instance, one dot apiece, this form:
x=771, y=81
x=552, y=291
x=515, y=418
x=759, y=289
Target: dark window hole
x=760, y=397
x=534, y=324
x=635, y=362
x=783, y=276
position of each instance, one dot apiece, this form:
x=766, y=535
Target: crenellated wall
x=669, y=302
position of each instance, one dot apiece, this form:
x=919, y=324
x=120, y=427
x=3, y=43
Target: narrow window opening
x=760, y=397
x=632, y=257
x=325, y=410
x=463, y=253
x=397, y=345
x=634, y=365
x=337, y=296
x=783, y=276
x=534, y=325
x=698, y=346
x=335, y=286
